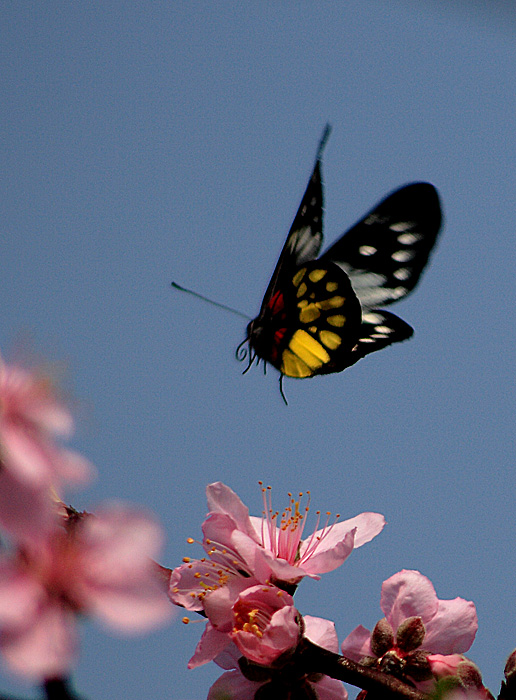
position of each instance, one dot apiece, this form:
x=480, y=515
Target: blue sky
x=146, y=142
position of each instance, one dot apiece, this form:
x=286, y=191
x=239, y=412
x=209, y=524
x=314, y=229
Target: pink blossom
x=31, y=418
x=261, y=620
x=98, y=565
x=272, y=547
x=420, y=634
x=245, y=552
x=233, y=685
x=265, y=623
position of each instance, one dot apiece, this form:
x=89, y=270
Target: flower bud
x=382, y=638
x=410, y=634
x=469, y=675
x=510, y=666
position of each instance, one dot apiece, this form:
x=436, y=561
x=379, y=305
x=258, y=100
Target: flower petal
x=452, y=630
x=25, y=512
x=330, y=689
x=210, y=645
x=321, y=632
x=46, y=648
x=328, y=558
x=222, y=499
x=357, y=644
x=232, y=685
x=408, y=594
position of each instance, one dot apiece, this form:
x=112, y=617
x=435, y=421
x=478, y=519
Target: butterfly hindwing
x=385, y=253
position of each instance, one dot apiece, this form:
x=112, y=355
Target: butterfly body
x=321, y=315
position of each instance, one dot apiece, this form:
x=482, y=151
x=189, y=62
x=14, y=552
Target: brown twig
x=377, y=683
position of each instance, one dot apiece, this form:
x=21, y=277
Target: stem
x=58, y=689
x=380, y=684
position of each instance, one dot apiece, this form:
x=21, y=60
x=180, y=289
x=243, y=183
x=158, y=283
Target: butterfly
x=321, y=314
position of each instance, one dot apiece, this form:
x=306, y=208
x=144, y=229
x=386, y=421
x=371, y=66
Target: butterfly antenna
x=322, y=143
x=210, y=301
x=281, y=390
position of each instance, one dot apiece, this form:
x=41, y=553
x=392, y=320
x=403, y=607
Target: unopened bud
x=510, y=666
x=410, y=634
x=469, y=675
x=382, y=638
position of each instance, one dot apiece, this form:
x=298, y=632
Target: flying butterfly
x=321, y=315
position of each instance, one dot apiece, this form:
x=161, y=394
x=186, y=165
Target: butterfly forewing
x=385, y=253
x=305, y=236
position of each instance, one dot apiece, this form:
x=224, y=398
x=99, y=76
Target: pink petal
x=118, y=580
x=266, y=566
x=282, y=635
x=321, y=632
x=26, y=455
x=218, y=604
x=368, y=525
x=39, y=462
x=45, y=648
x=330, y=689
x=233, y=686
x=365, y=525
x=444, y=665
x=137, y=606
x=26, y=513
x=452, y=630
x=186, y=584
x=357, y=644
x=221, y=499
x=117, y=542
x=327, y=559
x=211, y=644
x=228, y=659
x=20, y=595
x=408, y=594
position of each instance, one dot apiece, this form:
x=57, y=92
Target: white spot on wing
x=408, y=238
x=373, y=318
x=403, y=255
x=402, y=274
x=401, y=226
x=367, y=250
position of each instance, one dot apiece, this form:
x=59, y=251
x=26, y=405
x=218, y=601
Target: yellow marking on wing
x=331, y=303
x=338, y=320
x=309, y=313
x=330, y=339
x=301, y=291
x=331, y=286
x=308, y=349
x=293, y=366
x=299, y=276
x=317, y=275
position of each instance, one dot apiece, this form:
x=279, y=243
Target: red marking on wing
x=278, y=337
x=276, y=303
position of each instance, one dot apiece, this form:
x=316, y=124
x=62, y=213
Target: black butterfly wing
x=378, y=330
x=385, y=253
x=315, y=323
x=304, y=238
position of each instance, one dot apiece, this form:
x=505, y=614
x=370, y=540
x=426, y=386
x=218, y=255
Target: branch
x=387, y=687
